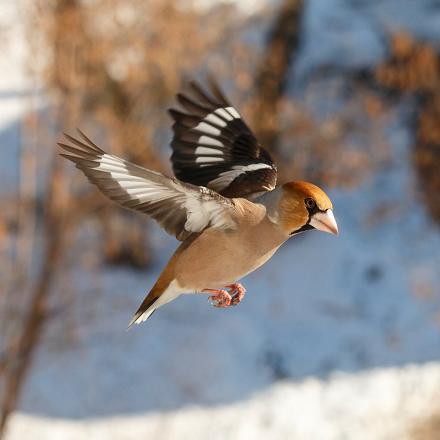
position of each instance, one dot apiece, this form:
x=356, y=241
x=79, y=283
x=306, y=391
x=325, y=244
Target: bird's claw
x=224, y=299
x=221, y=299
x=237, y=292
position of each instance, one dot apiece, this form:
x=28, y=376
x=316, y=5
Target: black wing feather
x=213, y=146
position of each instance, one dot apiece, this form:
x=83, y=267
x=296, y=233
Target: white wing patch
x=224, y=114
x=207, y=150
x=201, y=209
x=206, y=128
x=202, y=159
x=214, y=119
x=132, y=185
x=227, y=177
x=233, y=112
x=252, y=167
x=200, y=215
x=206, y=140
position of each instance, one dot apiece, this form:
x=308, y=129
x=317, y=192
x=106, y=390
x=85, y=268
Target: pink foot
x=237, y=293
x=221, y=298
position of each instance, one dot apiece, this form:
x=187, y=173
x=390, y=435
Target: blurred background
x=337, y=337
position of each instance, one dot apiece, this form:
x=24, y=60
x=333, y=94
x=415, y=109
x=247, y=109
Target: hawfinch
x=223, y=204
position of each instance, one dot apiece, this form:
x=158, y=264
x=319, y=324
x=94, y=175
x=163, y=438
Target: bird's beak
x=325, y=221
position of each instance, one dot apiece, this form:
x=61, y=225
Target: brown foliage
x=412, y=66
x=426, y=155
x=427, y=428
x=123, y=63
x=415, y=67
x=271, y=77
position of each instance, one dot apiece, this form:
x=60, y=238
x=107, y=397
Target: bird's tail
x=158, y=296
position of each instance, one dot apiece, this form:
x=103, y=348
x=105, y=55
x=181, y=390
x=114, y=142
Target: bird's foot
x=220, y=298
x=237, y=292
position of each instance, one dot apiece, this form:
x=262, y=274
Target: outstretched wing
x=181, y=209
x=213, y=146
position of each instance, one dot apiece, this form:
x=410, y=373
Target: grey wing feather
x=180, y=208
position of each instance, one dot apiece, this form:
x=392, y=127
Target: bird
x=223, y=202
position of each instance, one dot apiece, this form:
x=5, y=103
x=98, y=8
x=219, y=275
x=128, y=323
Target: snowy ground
x=337, y=338
x=344, y=407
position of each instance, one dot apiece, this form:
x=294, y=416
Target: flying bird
x=223, y=203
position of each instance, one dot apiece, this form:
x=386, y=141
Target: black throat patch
x=307, y=226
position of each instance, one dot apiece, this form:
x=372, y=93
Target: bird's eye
x=310, y=203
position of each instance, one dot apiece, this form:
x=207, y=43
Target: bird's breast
x=219, y=257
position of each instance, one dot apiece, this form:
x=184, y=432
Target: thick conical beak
x=325, y=221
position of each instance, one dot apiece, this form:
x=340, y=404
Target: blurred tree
x=414, y=67
x=273, y=71
x=114, y=63
x=21, y=345
x=125, y=70
x=303, y=145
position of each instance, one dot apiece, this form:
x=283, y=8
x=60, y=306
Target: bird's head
x=305, y=206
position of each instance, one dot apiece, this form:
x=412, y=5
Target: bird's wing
x=180, y=208
x=213, y=146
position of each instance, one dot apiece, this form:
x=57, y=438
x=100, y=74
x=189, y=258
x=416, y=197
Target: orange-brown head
x=304, y=206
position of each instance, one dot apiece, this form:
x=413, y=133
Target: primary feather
x=180, y=208
x=213, y=146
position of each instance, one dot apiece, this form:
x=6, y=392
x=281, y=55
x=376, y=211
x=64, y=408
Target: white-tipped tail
x=171, y=292
x=140, y=317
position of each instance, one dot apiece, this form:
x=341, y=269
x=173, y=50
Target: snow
x=332, y=409
x=336, y=338
x=12, y=92
x=17, y=94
